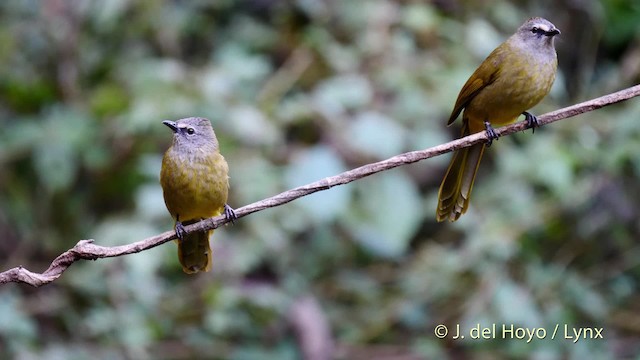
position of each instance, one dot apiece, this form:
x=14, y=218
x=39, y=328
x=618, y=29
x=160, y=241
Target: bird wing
x=484, y=75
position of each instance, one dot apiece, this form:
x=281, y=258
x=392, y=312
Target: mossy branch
x=87, y=250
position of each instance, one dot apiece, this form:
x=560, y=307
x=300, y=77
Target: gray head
x=537, y=33
x=192, y=133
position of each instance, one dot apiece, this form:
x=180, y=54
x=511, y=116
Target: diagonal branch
x=87, y=250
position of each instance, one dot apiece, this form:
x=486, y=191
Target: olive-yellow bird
x=512, y=79
x=195, y=185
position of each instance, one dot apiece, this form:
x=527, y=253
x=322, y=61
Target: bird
x=515, y=76
x=195, y=184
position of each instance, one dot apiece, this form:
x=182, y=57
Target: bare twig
x=87, y=250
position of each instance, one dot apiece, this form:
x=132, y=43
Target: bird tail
x=455, y=190
x=194, y=251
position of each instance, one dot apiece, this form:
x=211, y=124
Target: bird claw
x=229, y=213
x=491, y=133
x=180, y=231
x=532, y=121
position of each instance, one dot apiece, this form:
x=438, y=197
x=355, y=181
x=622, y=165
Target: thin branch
x=87, y=250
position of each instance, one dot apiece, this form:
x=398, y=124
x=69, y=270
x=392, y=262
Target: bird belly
x=195, y=187
x=514, y=92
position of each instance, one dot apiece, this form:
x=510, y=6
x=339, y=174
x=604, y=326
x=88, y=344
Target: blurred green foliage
x=300, y=90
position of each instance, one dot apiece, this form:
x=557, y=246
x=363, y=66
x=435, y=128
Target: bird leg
x=532, y=121
x=180, y=231
x=229, y=213
x=491, y=133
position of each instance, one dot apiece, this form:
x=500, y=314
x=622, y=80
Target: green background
x=300, y=90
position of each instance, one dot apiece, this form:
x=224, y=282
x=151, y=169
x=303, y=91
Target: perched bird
x=512, y=79
x=195, y=185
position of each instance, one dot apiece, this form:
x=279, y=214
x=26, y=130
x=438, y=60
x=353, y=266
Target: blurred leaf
x=16, y=326
x=388, y=214
x=482, y=38
x=242, y=67
x=311, y=165
x=251, y=126
x=419, y=17
x=55, y=158
x=339, y=94
x=376, y=134
x=109, y=100
x=515, y=305
x=18, y=138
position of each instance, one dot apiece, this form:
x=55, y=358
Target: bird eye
x=191, y=131
x=535, y=29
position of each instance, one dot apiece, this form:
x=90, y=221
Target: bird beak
x=172, y=125
x=553, y=32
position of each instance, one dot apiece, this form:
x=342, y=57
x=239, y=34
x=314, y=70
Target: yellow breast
x=520, y=84
x=194, y=185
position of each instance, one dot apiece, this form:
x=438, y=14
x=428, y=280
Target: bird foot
x=532, y=121
x=491, y=133
x=180, y=231
x=229, y=213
